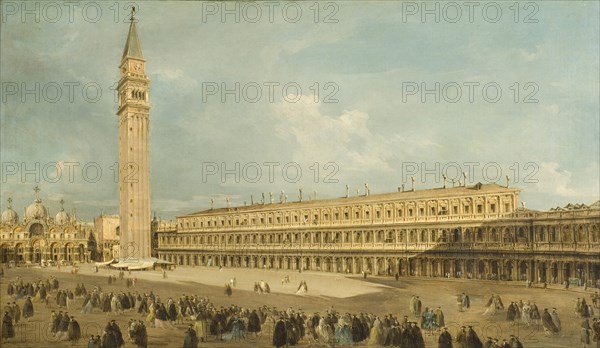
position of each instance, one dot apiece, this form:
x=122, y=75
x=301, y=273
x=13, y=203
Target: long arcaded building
x=473, y=232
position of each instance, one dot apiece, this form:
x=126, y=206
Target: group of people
x=493, y=305
x=302, y=288
x=288, y=327
x=526, y=313
x=583, y=309
x=262, y=287
x=590, y=333
x=463, y=302
x=335, y=328
x=513, y=342
x=65, y=327
x=36, y=290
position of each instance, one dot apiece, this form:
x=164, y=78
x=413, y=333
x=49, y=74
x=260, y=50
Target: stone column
x=514, y=270
x=374, y=266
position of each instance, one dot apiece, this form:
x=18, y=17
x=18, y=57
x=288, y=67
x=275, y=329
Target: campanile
x=134, y=154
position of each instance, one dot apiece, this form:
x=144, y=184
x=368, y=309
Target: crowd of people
x=205, y=321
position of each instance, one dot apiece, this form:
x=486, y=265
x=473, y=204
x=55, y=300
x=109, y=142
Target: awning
x=142, y=263
x=104, y=263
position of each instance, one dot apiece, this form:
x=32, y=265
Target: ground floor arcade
x=491, y=267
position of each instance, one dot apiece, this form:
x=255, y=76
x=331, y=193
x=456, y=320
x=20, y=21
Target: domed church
x=40, y=238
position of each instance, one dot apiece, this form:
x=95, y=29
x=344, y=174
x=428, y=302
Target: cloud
x=346, y=139
x=554, y=180
x=553, y=109
x=175, y=76
x=321, y=138
x=530, y=55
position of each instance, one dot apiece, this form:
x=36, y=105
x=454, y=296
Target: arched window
x=456, y=236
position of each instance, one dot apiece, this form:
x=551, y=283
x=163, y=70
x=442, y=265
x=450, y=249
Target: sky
x=328, y=94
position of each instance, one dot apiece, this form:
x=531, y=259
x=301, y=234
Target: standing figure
x=585, y=333
x=280, y=334
x=28, y=309
x=8, y=330
x=190, y=340
x=445, y=339
x=74, y=331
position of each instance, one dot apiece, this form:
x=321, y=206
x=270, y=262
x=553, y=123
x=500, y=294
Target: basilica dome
x=36, y=211
x=9, y=216
x=62, y=218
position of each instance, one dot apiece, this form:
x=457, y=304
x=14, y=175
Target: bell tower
x=134, y=154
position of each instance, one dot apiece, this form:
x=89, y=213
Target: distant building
x=108, y=231
x=38, y=237
x=107, y=234
x=468, y=232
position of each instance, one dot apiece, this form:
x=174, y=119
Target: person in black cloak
x=172, y=312
x=28, y=309
x=473, y=340
x=547, y=322
x=141, y=335
x=8, y=330
x=113, y=327
x=280, y=334
x=253, y=323
x=291, y=332
x=394, y=333
x=445, y=339
x=461, y=337
x=466, y=301
x=417, y=337
x=515, y=343
x=405, y=338
x=109, y=340
x=301, y=326
x=190, y=340
x=511, y=312
x=56, y=323
x=74, y=331
x=63, y=327
x=356, y=330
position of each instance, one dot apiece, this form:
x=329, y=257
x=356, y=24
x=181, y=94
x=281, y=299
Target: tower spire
x=132, y=46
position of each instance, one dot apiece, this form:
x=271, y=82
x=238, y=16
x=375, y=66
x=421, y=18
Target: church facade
x=474, y=232
x=39, y=238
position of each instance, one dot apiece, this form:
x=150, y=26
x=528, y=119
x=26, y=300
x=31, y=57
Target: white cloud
x=176, y=76
x=322, y=138
x=531, y=55
x=553, y=109
x=556, y=181
x=346, y=139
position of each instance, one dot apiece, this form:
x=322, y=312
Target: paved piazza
x=378, y=295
